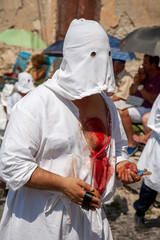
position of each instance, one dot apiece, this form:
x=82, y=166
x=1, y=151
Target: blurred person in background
x=149, y=90
x=37, y=71
x=141, y=140
x=123, y=80
x=22, y=87
x=4, y=96
x=150, y=159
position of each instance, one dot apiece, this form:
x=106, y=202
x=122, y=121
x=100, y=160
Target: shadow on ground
x=152, y=223
x=114, y=209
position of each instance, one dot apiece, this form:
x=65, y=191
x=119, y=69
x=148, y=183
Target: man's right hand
x=75, y=188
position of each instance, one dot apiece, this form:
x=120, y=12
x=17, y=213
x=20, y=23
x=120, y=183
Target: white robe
x=44, y=130
x=51, y=138
x=150, y=157
x=12, y=100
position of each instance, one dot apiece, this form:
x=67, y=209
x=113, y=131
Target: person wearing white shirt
x=123, y=80
x=150, y=159
x=22, y=87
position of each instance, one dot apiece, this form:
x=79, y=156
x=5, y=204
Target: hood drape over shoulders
x=86, y=68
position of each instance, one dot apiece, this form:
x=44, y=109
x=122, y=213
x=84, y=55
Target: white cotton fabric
x=136, y=113
x=25, y=82
x=3, y=118
x=44, y=130
x=12, y=100
x=150, y=157
x=51, y=138
x=81, y=74
x=6, y=92
x=4, y=95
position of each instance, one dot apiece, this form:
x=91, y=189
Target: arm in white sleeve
x=9, y=106
x=154, y=117
x=119, y=135
x=19, y=148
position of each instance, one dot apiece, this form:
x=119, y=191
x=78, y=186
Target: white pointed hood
x=86, y=68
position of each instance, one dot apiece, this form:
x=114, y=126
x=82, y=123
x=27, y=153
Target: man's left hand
x=127, y=172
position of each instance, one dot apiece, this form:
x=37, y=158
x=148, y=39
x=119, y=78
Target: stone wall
x=119, y=17
x=37, y=16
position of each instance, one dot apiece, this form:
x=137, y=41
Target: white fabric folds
x=150, y=157
x=86, y=68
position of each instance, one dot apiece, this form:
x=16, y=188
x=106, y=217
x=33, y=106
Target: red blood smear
x=126, y=166
x=95, y=125
x=110, y=171
x=98, y=156
x=96, y=133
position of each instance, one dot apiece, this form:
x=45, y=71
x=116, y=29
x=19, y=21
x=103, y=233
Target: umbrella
x=143, y=40
x=113, y=41
x=116, y=52
x=56, y=49
x=20, y=37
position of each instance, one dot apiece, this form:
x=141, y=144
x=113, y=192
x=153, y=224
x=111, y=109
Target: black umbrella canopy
x=143, y=40
x=55, y=49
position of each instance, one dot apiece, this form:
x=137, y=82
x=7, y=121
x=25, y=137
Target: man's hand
x=127, y=172
x=75, y=188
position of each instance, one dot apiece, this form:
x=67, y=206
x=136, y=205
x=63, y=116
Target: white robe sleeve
x=9, y=105
x=118, y=134
x=19, y=148
x=121, y=141
x=154, y=117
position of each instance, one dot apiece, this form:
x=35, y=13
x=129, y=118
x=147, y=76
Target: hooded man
x=23, y=86
x=63, y=141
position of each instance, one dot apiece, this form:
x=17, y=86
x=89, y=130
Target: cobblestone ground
x=123, y=229
x=120, y=214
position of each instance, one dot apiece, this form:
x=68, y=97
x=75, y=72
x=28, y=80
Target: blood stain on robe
x=97, y=141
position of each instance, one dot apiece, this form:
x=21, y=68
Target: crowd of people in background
x=37, y=71
x=145, y=85
x=123, y=80
x=26, y=81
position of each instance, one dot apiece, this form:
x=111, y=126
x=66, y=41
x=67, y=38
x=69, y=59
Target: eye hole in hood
x=93, y=54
